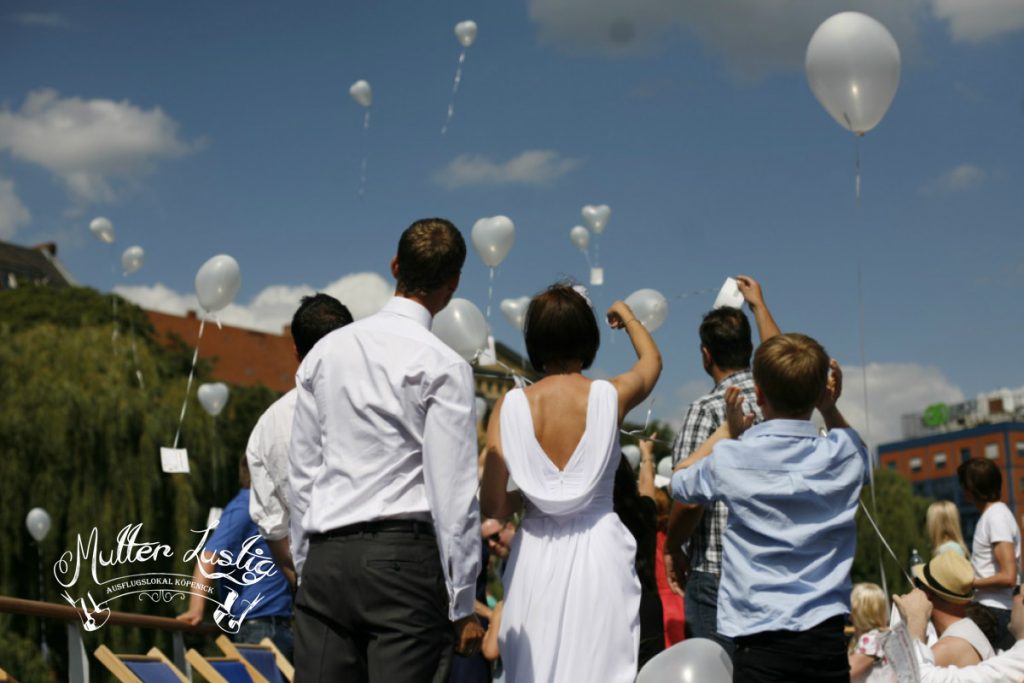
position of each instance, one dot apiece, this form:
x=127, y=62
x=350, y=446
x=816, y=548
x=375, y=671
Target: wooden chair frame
x=231, y=650
x=202, y=665
x=116, y=663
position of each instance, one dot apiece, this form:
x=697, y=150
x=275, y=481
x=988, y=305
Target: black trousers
x=818, y=654
x=373, y=607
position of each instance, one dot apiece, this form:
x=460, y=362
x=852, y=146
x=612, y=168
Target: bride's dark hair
x=560, y=326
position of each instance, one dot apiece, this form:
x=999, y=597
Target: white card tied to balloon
x=174, y=460
x=729, y=295
x=596, y=276
x=488, y=355
x=899, y=651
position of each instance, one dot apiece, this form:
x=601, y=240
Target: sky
x=208, y=128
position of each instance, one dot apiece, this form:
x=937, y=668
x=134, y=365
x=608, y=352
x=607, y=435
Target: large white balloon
x=480, y=403
x=102, y=229
x=132, y=258
x=465, y=31
x=514, y=311
x=38, y=523
x=461, y=326
x=649, y=307
x=493, y=238
x=632, y=453
x=853, y=67
x=580, y=236
x=597, y=216
x=694, y=659
x=213, y=397
x=218, y=282
x=362, y=93
x=665, y=467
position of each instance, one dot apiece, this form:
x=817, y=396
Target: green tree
x=900, y=517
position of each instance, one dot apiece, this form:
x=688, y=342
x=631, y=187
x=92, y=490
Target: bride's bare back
x=558, y=406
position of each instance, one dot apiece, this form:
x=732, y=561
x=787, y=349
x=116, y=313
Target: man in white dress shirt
x=267, y=450
x=383, y=482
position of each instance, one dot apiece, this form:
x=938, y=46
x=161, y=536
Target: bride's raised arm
x=496, y=501
x=635, y=384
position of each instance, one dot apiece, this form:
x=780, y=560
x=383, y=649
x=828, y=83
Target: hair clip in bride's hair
x=582, y=291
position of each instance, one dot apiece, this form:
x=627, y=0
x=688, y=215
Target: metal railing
x=78, y=657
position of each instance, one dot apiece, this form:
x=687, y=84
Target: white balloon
x=132, y=258
x=632, y=453
x=693, y=659
x=853, y=67
x=103, y=229
x=213, y=397
x=217, y=282
x=461, y=326
x=596, y=216
x=493, y=238
x=580, y=236
x=465, y=31
x=481, y=407
x=514, y=311
x=665, y=467
x=38, y=523
x=362, y=93
x=649, y=307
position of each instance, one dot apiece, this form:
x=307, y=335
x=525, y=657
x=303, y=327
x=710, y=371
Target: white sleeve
x=305, y=460
x=1002, y=528
x=450, y=475
x=267, y=504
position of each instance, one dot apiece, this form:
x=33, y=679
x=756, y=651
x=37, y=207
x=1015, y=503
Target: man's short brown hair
x=791, y=371
x=431, y=252
x=560, y=326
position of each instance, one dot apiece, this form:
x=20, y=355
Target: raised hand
x=833, y=388
x=620, y=315
x=751, y=290
x=737, y=420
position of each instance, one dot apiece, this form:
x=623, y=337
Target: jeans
x=278, y=630
x=817, y=655
x=701, y=606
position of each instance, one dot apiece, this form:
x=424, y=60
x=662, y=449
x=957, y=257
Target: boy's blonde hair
x=791, y=370
x=943, y=524
x=868, y=610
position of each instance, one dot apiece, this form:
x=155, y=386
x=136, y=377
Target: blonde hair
x=868, y=610
x=943, y=524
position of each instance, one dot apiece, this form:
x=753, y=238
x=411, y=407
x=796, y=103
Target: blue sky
x=204, y=128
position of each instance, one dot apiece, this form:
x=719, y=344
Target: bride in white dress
x=572, y=597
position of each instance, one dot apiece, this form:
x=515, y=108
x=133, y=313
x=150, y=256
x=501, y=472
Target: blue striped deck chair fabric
x=263, y=656
x=224, y=669
x=153, y=667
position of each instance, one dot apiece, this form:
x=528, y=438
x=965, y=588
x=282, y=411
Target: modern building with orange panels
x=930, y=463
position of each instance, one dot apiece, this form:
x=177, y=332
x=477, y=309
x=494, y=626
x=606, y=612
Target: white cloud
x=974, y=21
x=41, y=19
x=90, y=144
x=271, y=309
x=894, y=389
x=956, y=179
x=12, y=212
x=532, y=167
x=756, y=37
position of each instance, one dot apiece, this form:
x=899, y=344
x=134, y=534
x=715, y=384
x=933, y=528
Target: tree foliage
x=80, y=437
x=900, y=517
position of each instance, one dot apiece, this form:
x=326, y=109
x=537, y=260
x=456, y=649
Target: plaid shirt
x=705, y=415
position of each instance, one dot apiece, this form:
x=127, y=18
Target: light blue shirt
x=789, y=542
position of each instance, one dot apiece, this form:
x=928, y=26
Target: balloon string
x=490, y=294
x=856, y=165
x=366, y=120
x=597, y=250
x=867, y=416
x=362, y=170
x=113, y=334
x=135, y=355
x=885, y=543
x=455, y=90
x=188, y=387
x=706, y=290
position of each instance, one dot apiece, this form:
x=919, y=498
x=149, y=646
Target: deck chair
x=264, y=657
x=224, y=669
x=152, y=667
x=8, y=678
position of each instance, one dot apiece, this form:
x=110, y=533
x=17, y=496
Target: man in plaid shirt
x=726, y=348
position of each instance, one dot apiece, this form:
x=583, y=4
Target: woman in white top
x=943, y=524
x=995, y=552
x=572, y=597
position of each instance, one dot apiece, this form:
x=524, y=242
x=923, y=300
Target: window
x=892, y=464
x=915, y=464
x=1020, y=449
x=992, y=451
x=965, y=454
x=940, y=461
x=995, y=406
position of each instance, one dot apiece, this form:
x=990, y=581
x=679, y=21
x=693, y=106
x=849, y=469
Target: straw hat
x=949, y=576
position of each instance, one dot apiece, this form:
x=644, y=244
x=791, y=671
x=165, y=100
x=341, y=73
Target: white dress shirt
x=267, y=453
x=385, y=429
x=1005, y=667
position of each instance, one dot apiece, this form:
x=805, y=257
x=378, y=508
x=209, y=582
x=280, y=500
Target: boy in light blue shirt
x=792, y=495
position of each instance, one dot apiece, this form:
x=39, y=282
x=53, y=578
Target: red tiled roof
x=239, y=356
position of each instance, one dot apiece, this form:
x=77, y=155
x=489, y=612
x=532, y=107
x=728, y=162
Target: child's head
x=868, y=609
x=943, y=524
x=791, y=371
